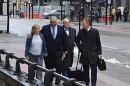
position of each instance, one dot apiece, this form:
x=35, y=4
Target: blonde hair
x=34, y=28
x=87, y=20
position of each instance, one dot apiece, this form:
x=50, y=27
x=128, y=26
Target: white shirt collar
x=54, y=27
x=88, y=28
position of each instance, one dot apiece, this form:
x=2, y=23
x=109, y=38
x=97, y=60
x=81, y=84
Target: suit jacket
x=55, y=47
x=71, y=39
x=89, y=45
x=70, y=45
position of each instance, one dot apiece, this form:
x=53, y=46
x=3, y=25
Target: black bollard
x=1, y=52
x=7, y=62
x=0, y=58
x=31, y=72
x=17, y=67
x=48, y=78
x=70, y=82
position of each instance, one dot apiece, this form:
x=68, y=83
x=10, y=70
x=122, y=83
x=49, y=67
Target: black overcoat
x=68, y=60
x=89, y=45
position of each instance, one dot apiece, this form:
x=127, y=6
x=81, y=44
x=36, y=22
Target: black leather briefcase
x=101, y=64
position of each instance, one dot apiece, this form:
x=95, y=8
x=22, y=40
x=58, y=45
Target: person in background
x=11, y=12
x=88, y=42
x=129, y=15
x=113, y=12
x=125, y=14
x=97, y=15
x=120, y=15
x=70, y=34
x=82, y=13
x=71, y=14
x=35, y=48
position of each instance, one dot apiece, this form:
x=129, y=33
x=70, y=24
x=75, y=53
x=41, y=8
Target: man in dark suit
x=55, y=38
x=70, y=34
x=88, y=42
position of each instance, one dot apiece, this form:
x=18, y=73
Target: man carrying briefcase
x=88, y=42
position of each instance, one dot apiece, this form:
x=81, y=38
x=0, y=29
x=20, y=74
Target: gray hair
x=53, y=18
x=66, y=19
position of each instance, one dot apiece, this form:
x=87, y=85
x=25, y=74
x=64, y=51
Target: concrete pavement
x=117, y=28
x=115, y=75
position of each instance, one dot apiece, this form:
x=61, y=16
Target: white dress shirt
x=55, y=31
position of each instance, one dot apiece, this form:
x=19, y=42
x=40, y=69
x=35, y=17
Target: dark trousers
x=71, y=57
x=93, y=74
x=125, y=18
x=113, y=17
x=64, y=72
x=55, y=62
x=36, y=59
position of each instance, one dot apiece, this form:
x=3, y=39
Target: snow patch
x=127, y=66
x=113, y=60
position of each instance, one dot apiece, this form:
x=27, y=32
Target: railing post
x=1, y=51
x=7, y=62
x=31, y=72
x=0, y=59
x=17, y=66
x=70, y=82
x=48, y=78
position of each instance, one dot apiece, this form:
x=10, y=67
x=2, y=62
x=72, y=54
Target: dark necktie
x=53, y=32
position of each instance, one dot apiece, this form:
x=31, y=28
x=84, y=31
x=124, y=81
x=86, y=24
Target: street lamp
x=25, y=5
x=14, y=4
x=20, y=9
x=90, y=2
x=61, y=4
x=32, y=8
x=110, y=3
x=106, y=11
x=7, y=16
x=30, y=5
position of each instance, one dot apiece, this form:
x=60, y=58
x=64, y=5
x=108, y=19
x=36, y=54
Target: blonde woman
x=36, y=48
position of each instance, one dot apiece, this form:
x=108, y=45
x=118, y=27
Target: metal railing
x=49, y=74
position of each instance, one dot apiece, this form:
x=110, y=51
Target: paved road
x=115, y=75
x=112, y=37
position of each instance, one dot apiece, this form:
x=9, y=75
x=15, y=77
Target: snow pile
x=113, y=60
x=127, y=66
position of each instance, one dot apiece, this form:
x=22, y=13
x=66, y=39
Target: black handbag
x=75, y=72
x=101, y=64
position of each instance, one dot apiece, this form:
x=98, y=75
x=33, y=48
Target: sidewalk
x=23, y=26
x=122, y=26
x=115, y=75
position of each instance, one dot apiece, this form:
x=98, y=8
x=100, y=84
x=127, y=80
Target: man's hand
x=100, y=56
x=27, y=58
x=65, y=52
x=45, y=54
